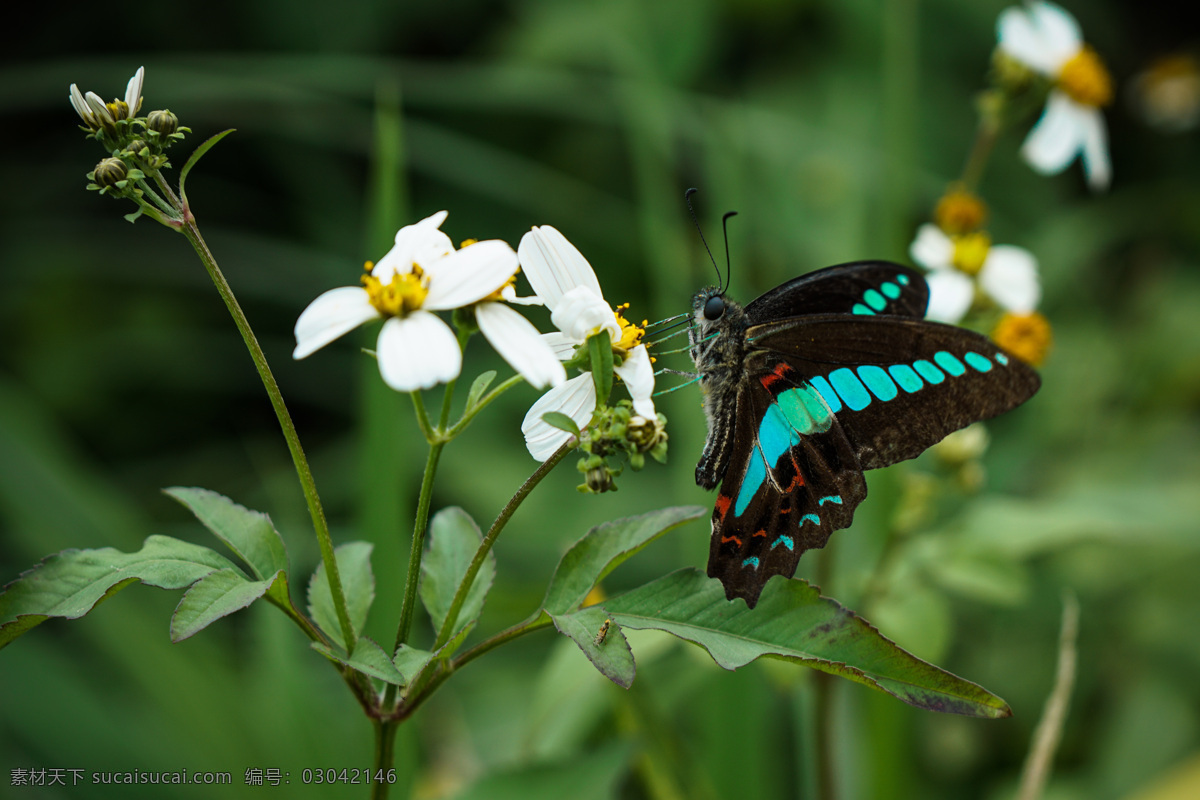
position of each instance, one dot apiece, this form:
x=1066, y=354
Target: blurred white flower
x=958, y=264
x=566, y=283
x=423, y=273
x=96, y=114
x=1045, y=38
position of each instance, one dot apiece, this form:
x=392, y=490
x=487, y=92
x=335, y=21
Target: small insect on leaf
x=602, y=634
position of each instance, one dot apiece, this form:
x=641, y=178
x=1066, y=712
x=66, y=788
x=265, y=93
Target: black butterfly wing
x=792, y=479
x=865, y=288
x=897, y=384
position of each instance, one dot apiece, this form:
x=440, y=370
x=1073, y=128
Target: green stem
x=485, y=547
x=418, y=544
x=385, y=743
x=470, y=413
x=307, y=484
x=422, y=417
x=985, y=139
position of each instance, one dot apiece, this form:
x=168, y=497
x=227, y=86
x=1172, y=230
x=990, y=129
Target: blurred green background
x=832, y=127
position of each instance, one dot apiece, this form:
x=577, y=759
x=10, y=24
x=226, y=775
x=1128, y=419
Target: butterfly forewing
x=862, y=288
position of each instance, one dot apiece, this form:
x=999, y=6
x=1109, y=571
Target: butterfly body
x=819, y=379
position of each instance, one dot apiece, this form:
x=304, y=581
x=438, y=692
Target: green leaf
x=479, y=386
x=410, y=661
x=195, y=156
x=71, y=583
x=594, y=776
x=218, y=594
x=600, y=352
x=369, y=659
x=611, y=654
x=249, y=534
x=603, y=549
x=794, y=622
x=453, y=540
x=354, y=568
x=557, y=419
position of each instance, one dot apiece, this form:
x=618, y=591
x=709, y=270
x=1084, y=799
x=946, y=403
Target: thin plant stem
x=385, y=744
x=485, y=547
x=1049, y=729
x=308, y=485
x=981, y=149
x=407, y=609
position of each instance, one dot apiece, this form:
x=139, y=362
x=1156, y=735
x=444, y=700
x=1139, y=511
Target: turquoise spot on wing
x=877, y=380
x=775, y=434
x=756, y=473
x=875, y=300
x=832, y=498
x=890, y=289
x=902, y=279
x=978, y=362
x=905, y=378
x=1003, y=359
x=929, y=372
x=752, y=561
x=786, y=541
x=850, y=389
x=831, y=399
x=949, y=363
x=813, y=518
x=802, y=407
x=859, y=308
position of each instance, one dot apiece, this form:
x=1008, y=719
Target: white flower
x=563, y=279
x=1005, y=273
x=1045, y=38
x=96, y=114
x=423, y=273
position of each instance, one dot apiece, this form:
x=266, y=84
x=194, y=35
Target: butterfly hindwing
x=792, y=480
x=898, y=385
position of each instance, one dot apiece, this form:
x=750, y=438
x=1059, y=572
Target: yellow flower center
x=970, y=251
x=631, y=335
x=497, y=296
x=1026, y=336
x=403, y=295
x=959, y=211
x=1085, y=79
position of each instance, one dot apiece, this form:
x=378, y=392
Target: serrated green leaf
x=71, y=583
x=369, y=659
x=794, y=622
x=453, y=540
x=600, y=353
x=610, y=652
x=410, y=661
x=557, y=419
x=218, y=594
x=354, y=568
x=250, y=534
x=195, y=157
x=605, y=547
x=479, y=386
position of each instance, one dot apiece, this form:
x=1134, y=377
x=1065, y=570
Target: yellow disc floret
x=970, y=251
x=404, y=294
x=631, y=335
x=959, y=211
x=1085, y=79
x=1026, y=336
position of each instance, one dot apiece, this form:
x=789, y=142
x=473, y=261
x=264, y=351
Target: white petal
x=417, y=352
x=1059, y=31
x=1010, y=277
x=932, y=248
x=1096, y=164
x=950, y=295
x=638, y=374
x=98, y=107
x=467, y=276
x=79, y=104
x=1058, y=135
x=510, y=296
x=580, y=313
x=420, y=243
x=554, y=266
x=133, y=91
x=520, y=344
x=334, y=313
x=576, y=398
x=562, y=345
x=1020, y=38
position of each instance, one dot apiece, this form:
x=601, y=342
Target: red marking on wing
x=723, y=501
x=781, y=369
x=761, y=533
x=725, y=539
x=798, y=480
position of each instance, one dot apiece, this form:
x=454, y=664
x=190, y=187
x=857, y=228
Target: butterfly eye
x=714, y=308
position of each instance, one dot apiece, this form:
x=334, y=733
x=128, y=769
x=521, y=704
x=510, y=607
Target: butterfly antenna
x=665, y=321
x=687, y=198
x=661, y=392
x=725, y=233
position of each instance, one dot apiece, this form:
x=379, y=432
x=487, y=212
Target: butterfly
x=825, y=376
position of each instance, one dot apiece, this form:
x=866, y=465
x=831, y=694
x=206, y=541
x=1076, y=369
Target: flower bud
x=599, y=480
x=645, y=433
x=162, y=122
x=136, y=147
x=110, y=172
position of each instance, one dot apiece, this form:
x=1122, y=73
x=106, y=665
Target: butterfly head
x=717, y=322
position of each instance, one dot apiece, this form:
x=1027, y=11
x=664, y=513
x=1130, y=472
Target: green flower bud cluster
x=617, y=432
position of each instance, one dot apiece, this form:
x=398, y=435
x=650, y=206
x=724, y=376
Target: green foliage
x=354, y=568
x=453, y=539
